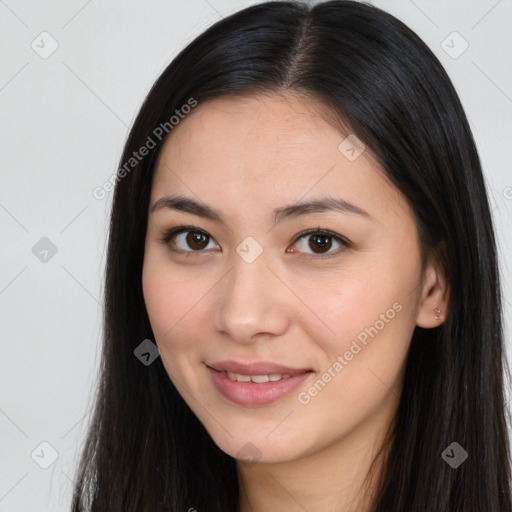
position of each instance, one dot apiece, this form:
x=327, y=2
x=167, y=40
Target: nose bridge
x=249, y=301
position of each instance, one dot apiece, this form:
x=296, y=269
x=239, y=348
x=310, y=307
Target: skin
x=246, y=156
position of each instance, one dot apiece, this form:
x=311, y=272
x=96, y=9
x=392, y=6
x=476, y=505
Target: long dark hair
x=146, y=451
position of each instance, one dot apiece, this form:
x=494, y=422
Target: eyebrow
x=322, y=204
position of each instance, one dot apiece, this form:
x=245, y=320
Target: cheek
x=179, y=311
x=362, y=361
x=157, y=296
x=368, y=317
x=170, y=301
x=349, y=305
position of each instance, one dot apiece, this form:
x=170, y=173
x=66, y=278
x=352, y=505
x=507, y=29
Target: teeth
x=258, y=379
x=238, y=377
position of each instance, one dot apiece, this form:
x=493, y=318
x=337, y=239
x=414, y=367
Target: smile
x=253, y=389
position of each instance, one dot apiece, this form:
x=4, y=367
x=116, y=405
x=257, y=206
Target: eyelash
x=345, y=244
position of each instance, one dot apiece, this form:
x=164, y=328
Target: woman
x=300, y=225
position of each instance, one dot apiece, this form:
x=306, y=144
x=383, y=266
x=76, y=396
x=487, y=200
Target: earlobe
x=433, y=307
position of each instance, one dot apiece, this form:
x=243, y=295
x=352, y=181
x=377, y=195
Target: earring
x=437, y=311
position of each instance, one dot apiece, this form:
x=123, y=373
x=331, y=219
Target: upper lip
x=256, y=368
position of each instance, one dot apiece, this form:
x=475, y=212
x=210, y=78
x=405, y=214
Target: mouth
x=257, y=379
x=255, y=384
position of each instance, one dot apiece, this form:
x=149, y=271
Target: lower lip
x=253, y=394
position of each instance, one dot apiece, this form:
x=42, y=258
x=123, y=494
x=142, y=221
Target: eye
x=187, y=239
x=321, y=241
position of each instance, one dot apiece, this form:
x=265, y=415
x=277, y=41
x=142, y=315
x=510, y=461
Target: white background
x=64, y=123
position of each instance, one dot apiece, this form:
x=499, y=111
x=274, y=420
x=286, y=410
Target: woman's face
x=243, y=289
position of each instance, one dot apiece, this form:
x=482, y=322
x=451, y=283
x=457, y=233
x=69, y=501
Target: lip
x=251, y=394
x=258, y=368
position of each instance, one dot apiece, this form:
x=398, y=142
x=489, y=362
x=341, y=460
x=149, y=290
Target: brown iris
x=196, y=241
x=323, y=242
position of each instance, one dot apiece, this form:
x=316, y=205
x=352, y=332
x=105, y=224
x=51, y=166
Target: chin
x=257, y=447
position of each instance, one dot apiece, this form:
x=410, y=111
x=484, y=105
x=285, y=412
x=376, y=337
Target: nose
x=251, y=302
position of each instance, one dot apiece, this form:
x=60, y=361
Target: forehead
x=283, y=124
x=262, y=151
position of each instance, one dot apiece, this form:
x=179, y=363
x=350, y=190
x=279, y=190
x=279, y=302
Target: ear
x=432, y=310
